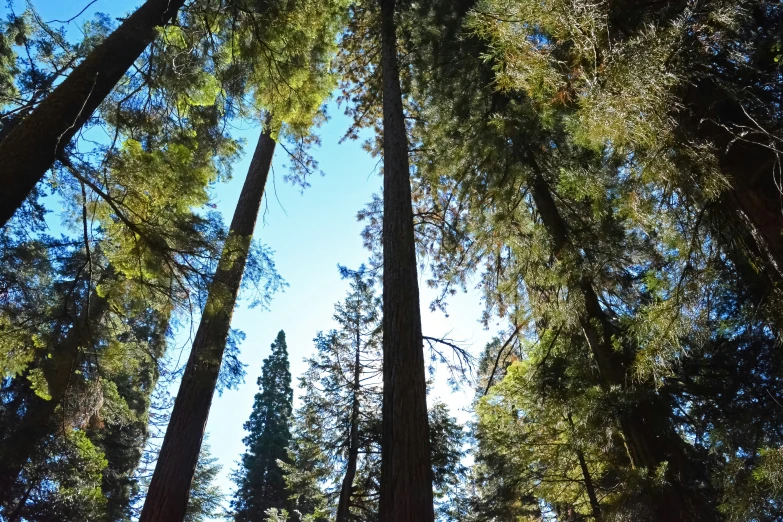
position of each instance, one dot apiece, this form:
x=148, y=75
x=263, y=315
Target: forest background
x=323, y=217
x=608, y=172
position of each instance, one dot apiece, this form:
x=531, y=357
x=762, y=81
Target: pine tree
x=335, y=458
x=635, y=264
x=66, y=399
x=205, y=499
x=343, y=389
x=649, y=83
x=261, y=480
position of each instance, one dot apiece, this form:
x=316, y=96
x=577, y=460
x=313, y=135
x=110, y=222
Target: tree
x=358, y=320
x=636, y=265
x=343, y=389
x=35, y=142
x=144, y=265
x=536, y=186
x=261, y=480
x=651, y=86
x=406, y=472
x=142, y=228
x=76, y=383
x=335, y=456
x=170, y=484
x=205, y=498
x=297, y=87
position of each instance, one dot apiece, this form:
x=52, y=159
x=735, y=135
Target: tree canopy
x=603, y=177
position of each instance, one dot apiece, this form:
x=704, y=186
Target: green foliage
x=322, y=437
x=206, y=498
x=539, y=440
x=12, y=32
x=504, y=114
x=625, y=115
x=307, y=470
x=632, y=78
x=54, y=490
x=261, y=480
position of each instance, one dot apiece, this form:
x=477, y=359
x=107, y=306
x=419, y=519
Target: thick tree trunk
x=406, y=472
x=36, y=422
x=750, y=165
x=648, y=433
x=167, y=496
x=346, y=490
x=31, y=147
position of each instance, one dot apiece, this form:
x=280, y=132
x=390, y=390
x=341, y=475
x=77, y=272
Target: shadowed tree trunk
x=752, y=168
x=32, y=145
x=36, y=421
x=589, y=487
x=595, y=507
x=344, y=504
x=406, y=472
x=167, y=496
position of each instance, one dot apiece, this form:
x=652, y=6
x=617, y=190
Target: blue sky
x=311, y=233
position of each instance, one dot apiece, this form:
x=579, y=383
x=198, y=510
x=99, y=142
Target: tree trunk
x=31, y=147
x=167, y=496
x=647, y=430
x=346, y=490
x=589, y=487
x=406, y=471
x=36, y=421
x=751, y=168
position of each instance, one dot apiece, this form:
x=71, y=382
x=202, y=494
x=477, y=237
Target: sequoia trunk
x=406, y=472
x=31, y=147
x=167, y=496
x=752, y=169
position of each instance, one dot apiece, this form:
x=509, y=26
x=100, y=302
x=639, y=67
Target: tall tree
x=261, y=480
x=631, y=253
x=343, y=389
x=358, y=320
x=287, y=70
x=80, y=346
x=168, y=492
x=35, y=142
x=39, y=408
x=689, y=91
x=406, y=473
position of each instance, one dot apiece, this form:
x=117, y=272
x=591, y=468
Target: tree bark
x=167, y=496
x=36, y=422
x=31, y=148
x=406, y=471
x=589, y=487
x=346, y=490
x=752, y=168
